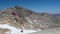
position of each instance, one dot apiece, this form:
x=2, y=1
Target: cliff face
x=26, y=19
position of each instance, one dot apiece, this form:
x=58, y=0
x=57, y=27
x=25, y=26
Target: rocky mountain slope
x=26, y=19
x=57, y=17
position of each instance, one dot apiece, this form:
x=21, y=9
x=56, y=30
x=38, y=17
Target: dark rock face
x=24, y=18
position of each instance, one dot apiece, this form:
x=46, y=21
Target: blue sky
x=49, y=6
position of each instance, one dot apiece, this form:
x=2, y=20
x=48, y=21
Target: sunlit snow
x=35, y=20
x=15, y=30
x=29, y=20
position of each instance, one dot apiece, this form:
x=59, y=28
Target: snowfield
x=14, y=30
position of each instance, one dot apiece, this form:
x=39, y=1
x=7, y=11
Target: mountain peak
x=17, y=7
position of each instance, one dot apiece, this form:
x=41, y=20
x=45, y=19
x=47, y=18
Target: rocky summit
x=23, y=18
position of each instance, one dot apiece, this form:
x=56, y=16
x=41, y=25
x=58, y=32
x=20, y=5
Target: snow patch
x=39, y=30
x=7, y=32
x=29, y=20
x=35, y=20
x=14, y=30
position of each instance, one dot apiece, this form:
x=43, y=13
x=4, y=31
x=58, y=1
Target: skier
x=14, y=14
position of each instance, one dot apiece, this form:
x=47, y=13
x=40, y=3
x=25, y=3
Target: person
x=14, y=13
x=21, y=30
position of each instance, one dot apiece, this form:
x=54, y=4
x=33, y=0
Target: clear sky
x=49, y=6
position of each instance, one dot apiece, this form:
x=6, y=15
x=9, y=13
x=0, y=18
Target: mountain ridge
x=25, y=18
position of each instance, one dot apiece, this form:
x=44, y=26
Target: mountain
x=57, y=17
x=26, y=19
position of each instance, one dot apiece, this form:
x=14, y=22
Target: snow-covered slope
x=14, y=30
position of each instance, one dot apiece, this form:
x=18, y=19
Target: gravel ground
x=49, y=31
